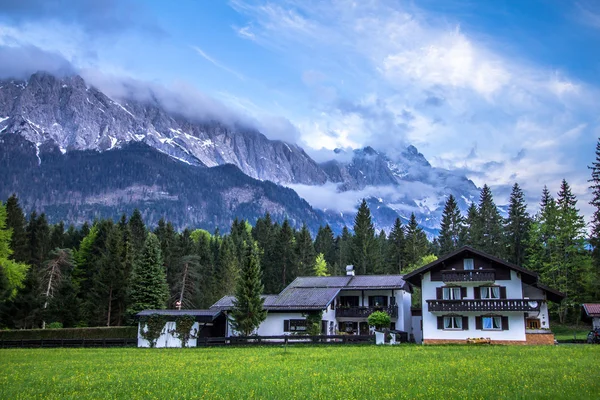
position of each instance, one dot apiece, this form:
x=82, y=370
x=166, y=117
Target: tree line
x=104, y=272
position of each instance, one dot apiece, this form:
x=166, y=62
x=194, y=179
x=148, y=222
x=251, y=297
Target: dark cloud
x=21, y=62
x=93, y=15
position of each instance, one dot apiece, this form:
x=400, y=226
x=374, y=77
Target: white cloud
x=217, y=63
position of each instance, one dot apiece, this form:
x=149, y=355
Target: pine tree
x=381, y=249
x=363, y=242
x=57, y=236
x=137, y=230
x=15, y=220
x=416, y=244
x=229, y=269
x=248, y=313
x=320, y=267
x=325, y=244
x=396, y=249
x=490, y=222
x=148, y=288
x=343, y=246
x=595, y=223
x=452, y=227
x=185, y=287
x=305, y=252
x=284, y=251
x=38, y=235
x=516, y=227
x=473, y=226
x=54, y=268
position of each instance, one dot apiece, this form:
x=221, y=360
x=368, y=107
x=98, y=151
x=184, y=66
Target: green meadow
x=323, y=372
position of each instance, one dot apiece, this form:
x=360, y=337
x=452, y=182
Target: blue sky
x=503, y=90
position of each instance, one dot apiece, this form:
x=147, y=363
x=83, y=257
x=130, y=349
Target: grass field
x=350, y=372
x=569, y=332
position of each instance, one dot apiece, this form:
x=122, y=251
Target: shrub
x=55, y=325
x=379, y=320
x=113, y=332
x=183, y=329
x=152, y=327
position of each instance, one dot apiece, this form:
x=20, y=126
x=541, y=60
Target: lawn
x=350, y=372
x=569, y=332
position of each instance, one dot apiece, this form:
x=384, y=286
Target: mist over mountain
x=85, y=154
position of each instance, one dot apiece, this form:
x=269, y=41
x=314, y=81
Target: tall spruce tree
x=490, y=239
x=343, y=248
x=15, y=220
x=396, y=249
x=248, y=312
x=452, y=228
x=416, y=243
x=363, y=242
x=305, y=252
x=595, y=222
x=325, y=244
x=516, y=227
x=284, y=250
x=473, y=226
x=229, y=269
x=148, y=288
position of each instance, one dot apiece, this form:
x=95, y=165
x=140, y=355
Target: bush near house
x=116, y=332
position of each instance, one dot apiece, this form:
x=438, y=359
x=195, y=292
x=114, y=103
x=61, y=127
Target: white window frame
x=490, y=292
x=468, y=264
x=493, y=321
x=451, y=293
x=453, y=323
x=299, y=325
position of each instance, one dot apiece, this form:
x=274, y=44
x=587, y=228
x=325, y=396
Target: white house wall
x=166, y=339
x=537, y=293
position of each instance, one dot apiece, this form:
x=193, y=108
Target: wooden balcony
x=469, y=275
x=364, y=312
x=485, y=305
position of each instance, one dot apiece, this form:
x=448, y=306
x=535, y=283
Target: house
x=471, y=294
x=345, y=301
x=592, y=311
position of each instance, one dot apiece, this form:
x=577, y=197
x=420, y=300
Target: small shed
x=207, y=323
x=592, y=311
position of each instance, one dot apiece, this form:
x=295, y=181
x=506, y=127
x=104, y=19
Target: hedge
x=116, y=332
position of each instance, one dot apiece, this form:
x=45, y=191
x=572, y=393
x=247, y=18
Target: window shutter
x=477, y=291
x=463, y=292
x=465, y=323
x=439, y=294
x=504, y=323
x=502, y=292
x=440, y=321
x=478, y=323
x=286, y=325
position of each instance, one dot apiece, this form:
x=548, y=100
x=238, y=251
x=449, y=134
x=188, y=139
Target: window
x=453, y=323
x=533, y=323
x=451, y=293
x=468, y=263
x=489, y=292
x=349, y=301
x=378, y=301
x=294, y=325
x=492, y=323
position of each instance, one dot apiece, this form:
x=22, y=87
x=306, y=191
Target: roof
x=551, y=294
x=359, y=282
x=413, y=277
x=592, y=310
x=199, y=315
x=225, y=303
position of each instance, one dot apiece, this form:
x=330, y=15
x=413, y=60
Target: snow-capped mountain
x=68, y=115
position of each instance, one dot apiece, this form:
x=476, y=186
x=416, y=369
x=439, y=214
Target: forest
x=104, y=272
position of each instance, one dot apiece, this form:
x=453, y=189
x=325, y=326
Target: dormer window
x=469, y=264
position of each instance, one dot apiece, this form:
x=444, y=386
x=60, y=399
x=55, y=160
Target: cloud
x=216, y=63
x=21, y=62
x=280, y=128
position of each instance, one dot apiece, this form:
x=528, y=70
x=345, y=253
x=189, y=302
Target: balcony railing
x=485, y=305
x=469, y=275
x=364, y=312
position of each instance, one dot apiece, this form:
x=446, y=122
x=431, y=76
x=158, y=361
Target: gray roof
x=317, y=292
x=377, y=282
x=200, y=315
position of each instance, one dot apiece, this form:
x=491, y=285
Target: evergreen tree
x=381, y=248
x=320, y=267
x=148, y=289
x=15, y=220
x=137, y=231
x=595, y=223
x=206, y=280
x=396, y=249
x=516, y=227
x=229, y=269
x=473, y=226
x=12, y=273
x=490, y=239
x=416, y=243
x=60, y=260
x=452, y=227
x=57, y=236
x=305, y=252
x=248, y=313
x=343, y=246
x=38, y=235
x=185, y=287
x=325, y=244
x=363, y=242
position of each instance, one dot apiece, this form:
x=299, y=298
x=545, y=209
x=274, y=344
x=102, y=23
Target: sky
x=505, y=91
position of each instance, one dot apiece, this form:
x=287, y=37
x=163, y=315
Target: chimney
x=350, y=270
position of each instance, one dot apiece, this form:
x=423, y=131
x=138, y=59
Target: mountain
x=68, y=125
x=82, y=185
